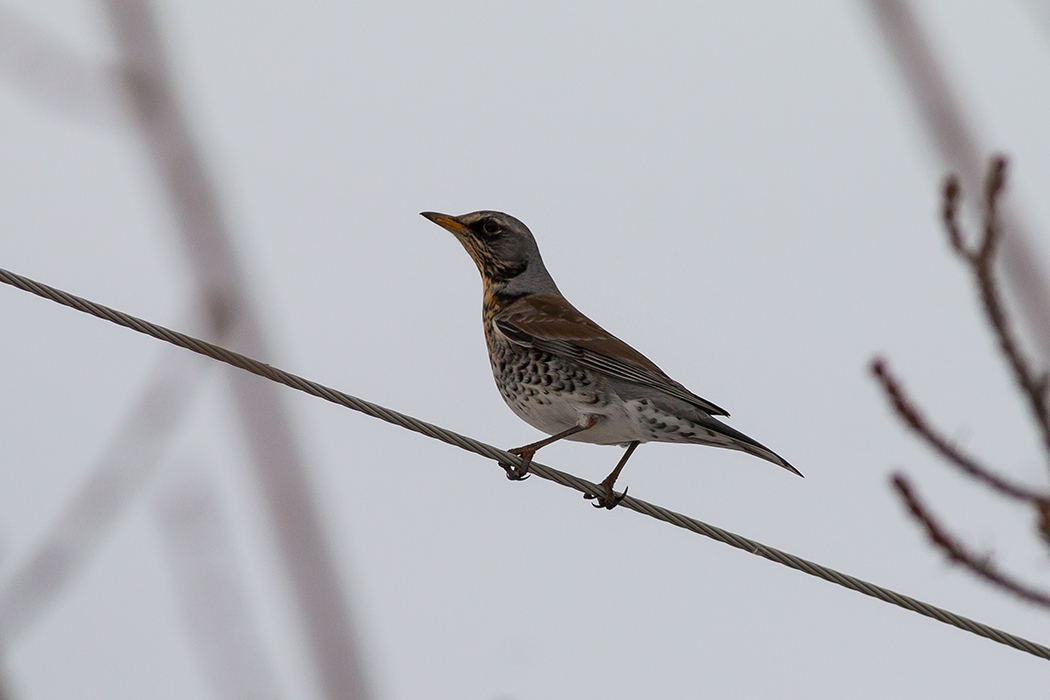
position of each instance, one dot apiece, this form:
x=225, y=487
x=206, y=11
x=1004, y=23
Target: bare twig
x=981, y=261
x=958, y=553
x=949, y=203
x=913, y=418
x=956, y=142
x=980, y=258
x=994, y=184
x=1043, y=523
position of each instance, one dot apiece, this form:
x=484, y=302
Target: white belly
x=618, y=422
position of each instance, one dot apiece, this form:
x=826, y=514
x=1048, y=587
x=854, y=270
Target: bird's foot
x=516, y=473
x=609, y=500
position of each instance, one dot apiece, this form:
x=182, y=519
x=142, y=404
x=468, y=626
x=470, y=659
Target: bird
x=565, y=375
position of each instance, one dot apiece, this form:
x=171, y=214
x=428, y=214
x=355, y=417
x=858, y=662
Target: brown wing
x=551, y=324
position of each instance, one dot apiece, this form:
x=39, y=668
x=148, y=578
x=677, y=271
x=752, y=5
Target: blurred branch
x=279, y=466
x=954, y=138
x=210, y=587
x=958, y=553
x=981, y=260
x=914, y=419
x=41, y=66
x=114, y=483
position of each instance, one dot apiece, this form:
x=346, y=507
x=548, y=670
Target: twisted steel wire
x=471, y=445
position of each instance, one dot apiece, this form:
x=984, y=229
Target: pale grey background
x=741, y=191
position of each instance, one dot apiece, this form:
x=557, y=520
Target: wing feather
x=551, y=324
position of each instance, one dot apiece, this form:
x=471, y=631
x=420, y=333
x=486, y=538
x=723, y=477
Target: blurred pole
x=954, y=139
x=43, y=67
x=210, y=587
x=279, y=467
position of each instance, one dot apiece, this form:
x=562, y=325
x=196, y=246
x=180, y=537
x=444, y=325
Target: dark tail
x=739, y=441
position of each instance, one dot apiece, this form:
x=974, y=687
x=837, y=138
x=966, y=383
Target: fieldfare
x=564, y=374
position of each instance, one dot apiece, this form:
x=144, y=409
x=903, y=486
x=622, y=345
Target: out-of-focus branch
x=40, y=65
x=279, y=466
x=209, y=586
x=44, y=67
x=913, y=418
x=954, y=138
x=114, y=483
x=958, y=553
x=981, y=260
x=980, y=257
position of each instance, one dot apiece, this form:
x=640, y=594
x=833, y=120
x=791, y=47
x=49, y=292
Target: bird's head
x=503, y=249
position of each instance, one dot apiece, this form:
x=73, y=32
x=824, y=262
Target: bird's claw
x=515, y=473
x=610, y=500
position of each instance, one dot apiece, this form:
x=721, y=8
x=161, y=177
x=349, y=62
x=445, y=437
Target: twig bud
x=949, y=207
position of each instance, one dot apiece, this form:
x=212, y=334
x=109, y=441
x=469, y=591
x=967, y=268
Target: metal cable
x=582, y=485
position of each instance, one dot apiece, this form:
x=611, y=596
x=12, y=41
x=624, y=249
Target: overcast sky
x=741, y=191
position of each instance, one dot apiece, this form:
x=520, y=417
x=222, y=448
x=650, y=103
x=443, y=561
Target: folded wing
x=551, y=324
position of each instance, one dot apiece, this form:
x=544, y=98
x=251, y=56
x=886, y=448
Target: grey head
x=504, y=250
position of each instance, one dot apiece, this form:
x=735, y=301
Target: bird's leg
x=610, y=500
x=526, y=452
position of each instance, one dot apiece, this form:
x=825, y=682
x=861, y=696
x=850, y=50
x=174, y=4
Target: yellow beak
x=445, y=221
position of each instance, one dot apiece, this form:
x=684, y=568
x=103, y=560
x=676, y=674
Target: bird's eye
x=491, y=227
